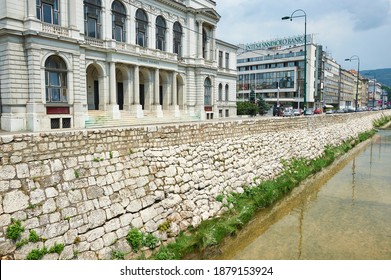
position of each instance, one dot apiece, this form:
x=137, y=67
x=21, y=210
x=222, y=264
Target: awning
x=329, y=106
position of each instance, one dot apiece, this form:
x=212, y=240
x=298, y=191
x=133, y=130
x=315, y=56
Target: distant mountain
x=383, y=76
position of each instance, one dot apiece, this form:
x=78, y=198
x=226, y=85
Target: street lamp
x=305, y=50
x=355, y=57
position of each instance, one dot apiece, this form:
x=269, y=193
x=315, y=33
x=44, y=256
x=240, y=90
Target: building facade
x=274, y=70
x=62, y=59
x=375, y=94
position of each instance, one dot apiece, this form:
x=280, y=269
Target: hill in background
x=383, y=76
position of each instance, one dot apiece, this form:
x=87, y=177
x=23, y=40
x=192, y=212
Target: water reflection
x=344, y=213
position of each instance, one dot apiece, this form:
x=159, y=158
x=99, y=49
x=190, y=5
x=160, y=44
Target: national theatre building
x=64, y=61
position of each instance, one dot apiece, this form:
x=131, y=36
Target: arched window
x=48, y=11
x=226, y=93
x=207, y=92
x=141, y=28
x=220, y=92
x=160, y=33
x=92, y=18
x=55, y=80
x=178, y=39
x=118, y=20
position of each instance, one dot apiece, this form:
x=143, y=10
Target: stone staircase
x=98, y=119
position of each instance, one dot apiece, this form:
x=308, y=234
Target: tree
x=246, y=108
x=263, y=107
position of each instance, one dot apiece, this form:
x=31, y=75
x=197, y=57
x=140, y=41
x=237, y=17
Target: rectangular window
x=55, y=123
x=66, y=123
x=220, y=59
x=47, y=12
x=227, y=60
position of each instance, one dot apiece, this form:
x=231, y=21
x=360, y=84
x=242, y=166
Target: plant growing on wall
x=14, y=231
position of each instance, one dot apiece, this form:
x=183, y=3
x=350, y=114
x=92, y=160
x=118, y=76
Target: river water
x=342, y=214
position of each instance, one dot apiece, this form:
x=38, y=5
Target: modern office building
x=330, y=85
x=61, y=60
x=375, y=93
x=274, y=70
x=348, y=87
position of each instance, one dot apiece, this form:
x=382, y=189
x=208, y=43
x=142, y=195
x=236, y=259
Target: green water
x=344, y=213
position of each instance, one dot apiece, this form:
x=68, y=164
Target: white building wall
x=23, y=57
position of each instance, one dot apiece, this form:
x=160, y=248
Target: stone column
x=72, y=14
x=136, y=108
x=156, y=105
x=174, y=87
x=200, y=54
x=113, y=106
x=31, y=9
x=213, y=49
x=31, y=21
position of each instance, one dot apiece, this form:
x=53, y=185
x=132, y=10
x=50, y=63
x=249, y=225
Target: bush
x=247, y=108
x=15, y=230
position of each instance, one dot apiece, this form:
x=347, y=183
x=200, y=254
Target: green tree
x=263, y=107
x=246, y=108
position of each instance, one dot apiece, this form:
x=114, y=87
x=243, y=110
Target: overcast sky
x=344, y=27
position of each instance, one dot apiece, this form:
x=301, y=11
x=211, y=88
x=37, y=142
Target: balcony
x=55, y=29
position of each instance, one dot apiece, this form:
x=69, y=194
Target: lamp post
x=305, y=50
x=355, y=57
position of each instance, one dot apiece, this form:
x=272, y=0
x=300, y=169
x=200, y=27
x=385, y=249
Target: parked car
x=329, y=111
x=318, y=111
x=288, y=112
x=278, y=111
x=340, y=111
x=297, y=112
x=309, y=112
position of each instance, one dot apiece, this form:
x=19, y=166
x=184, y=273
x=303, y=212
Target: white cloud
x=344, y=26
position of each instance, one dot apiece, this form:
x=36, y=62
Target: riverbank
x=204, y=242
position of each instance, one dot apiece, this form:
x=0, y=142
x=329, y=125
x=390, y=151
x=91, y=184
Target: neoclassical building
x=62, y=60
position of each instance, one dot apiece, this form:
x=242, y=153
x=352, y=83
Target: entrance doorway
x=120, y=95
x=142, y=96
x=96, y=95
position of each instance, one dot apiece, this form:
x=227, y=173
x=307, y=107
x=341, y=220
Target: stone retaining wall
x=87, y=189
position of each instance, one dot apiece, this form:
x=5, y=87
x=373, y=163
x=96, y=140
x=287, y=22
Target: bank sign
x=291, y=41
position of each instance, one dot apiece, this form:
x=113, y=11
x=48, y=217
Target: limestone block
x=15, y=201
x=142, y=181
x=112, y=225
x=125, y=219
x=96, y=218
x=85, y=206
x=36, y=196
x=5, y=220
x=51, y=192
x=4, y=186
x=62, y=201
x=88, y=255
x=22, y=170
x=94, y=192
x=109, y=238
x=148, y=214
x=94, y=234
x=68, y=253
x=171, y=201
x=137, y=222
x=69, y=174
x=54, y=217
x=54, y=230
x=151, y=226
x=115, y=210
x=7, y=172
x=147, y=200
x=56, y=165
x=97, y=244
